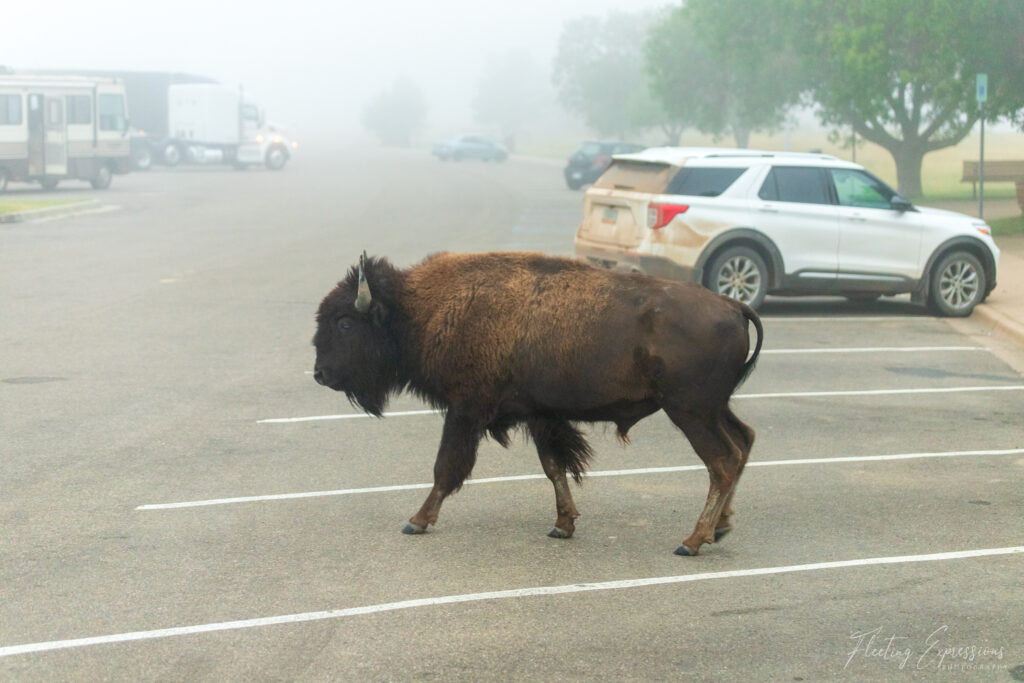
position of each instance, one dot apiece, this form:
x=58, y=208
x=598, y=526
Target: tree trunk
x=742, y=136
x=909, y=159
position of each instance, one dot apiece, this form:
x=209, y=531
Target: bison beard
x=504, y=340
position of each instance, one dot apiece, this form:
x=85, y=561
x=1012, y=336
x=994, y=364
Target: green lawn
x=14, y=205
x=1008, y=226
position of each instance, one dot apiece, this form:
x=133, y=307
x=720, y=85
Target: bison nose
x=318, y=375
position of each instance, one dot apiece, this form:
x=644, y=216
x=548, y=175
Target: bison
x=505, y=340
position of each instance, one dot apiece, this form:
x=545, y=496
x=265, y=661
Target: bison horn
x=363, y=297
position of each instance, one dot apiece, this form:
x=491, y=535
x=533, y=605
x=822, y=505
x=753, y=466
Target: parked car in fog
x=747, y=223
x=591, y=159
x=470, y=147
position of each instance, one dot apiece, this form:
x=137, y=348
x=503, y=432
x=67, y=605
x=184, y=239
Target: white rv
x=57, y=128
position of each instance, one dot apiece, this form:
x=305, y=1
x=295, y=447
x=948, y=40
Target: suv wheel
x=957, y=285
x=739, y=273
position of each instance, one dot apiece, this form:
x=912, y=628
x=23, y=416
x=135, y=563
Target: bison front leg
x=455, y=459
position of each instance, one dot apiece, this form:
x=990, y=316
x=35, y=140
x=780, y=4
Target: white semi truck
x=213, y=123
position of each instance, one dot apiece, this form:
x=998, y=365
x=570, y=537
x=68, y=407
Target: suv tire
x=957, y=285
x=739, y=273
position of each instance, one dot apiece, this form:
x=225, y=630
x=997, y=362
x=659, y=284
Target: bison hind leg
x=561, y=447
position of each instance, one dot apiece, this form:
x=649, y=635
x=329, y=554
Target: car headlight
x=295, y=145
x=259, y=138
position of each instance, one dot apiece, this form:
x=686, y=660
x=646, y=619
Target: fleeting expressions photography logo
x=937, y=651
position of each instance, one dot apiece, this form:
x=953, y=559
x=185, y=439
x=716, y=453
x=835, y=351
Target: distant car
x=746, y=223
x=470, y=147
x=589, y=161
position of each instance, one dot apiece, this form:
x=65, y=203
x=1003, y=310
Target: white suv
x=748, y=223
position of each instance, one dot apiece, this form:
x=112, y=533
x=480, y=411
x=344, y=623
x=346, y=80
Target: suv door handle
x=857, y=217
x=769, y=209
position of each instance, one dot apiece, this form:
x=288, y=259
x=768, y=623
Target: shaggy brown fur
x=507, y=339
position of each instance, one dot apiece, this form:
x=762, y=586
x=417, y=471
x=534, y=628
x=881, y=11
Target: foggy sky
x=312, y=65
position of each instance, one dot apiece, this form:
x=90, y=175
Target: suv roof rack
x=666, y=153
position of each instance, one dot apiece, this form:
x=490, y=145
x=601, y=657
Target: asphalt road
x=159, y=354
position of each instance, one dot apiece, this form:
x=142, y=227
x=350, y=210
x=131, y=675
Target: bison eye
x=344, y=323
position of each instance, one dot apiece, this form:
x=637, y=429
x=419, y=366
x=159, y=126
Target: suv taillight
x=660, y=215
x=600, y=162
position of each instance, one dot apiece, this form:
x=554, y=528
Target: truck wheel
x=49, y=182
x=172, y=155
x=101, y=179
x=739, y=273
x=142, y=160
x=276, y=158
x=957, y=285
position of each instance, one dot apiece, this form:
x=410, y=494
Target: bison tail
x=748, y=367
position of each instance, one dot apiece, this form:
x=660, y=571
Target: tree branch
x=957, y=135
x=875, y=132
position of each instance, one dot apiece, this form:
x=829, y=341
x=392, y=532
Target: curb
x=1001, y=322
x=68, y=209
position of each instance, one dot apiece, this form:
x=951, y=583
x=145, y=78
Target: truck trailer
x=58, y=128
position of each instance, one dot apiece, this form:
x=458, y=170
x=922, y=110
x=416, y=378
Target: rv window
x=54, y=112
x=79, y=109
x=10, y=110
x=111, y=110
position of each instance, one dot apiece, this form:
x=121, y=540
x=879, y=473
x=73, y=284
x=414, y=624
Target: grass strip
x=15, y=205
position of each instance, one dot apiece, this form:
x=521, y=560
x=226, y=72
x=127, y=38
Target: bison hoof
x=685, y=551
x=411, y=528
x=559, y=533
x=722, y=533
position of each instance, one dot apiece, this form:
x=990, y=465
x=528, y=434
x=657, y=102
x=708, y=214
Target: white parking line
x=792, y=394
x=598, y=473
x=845, y=318
x=882, y=392
x=514, y=593
x=876, y=349
x=345, y=416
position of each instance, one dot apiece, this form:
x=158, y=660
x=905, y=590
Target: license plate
x=609, y=216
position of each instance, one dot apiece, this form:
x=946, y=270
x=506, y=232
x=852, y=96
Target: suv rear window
x=703, y=182
x=641, y=176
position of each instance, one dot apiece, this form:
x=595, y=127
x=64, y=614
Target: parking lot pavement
x=878, y=529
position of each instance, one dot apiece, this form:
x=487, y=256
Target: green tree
x=396, y=114
x=709, y=68
x=902, y=72
x=599, y=73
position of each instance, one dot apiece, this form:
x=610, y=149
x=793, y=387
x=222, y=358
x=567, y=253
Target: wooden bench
x=1002, y=171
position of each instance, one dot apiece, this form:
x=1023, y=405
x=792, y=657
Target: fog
x=311, y=65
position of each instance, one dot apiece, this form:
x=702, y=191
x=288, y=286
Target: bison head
x=356, y=348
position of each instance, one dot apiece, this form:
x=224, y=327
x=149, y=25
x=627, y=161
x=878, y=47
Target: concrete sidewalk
x=1004, y=308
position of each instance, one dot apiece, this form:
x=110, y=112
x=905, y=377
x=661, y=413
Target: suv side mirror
x=900, y=204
